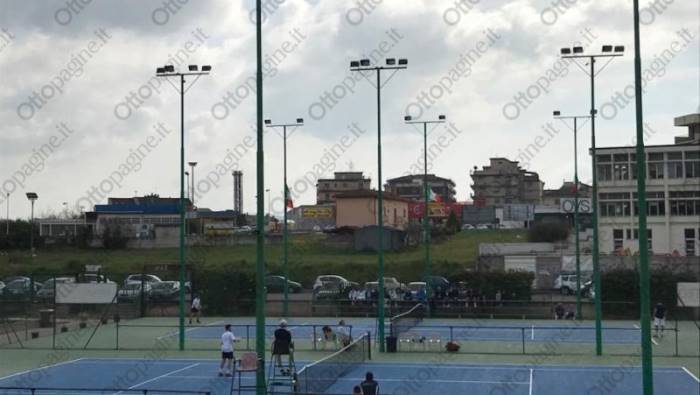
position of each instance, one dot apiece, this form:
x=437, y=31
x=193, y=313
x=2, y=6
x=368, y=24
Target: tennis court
x=193, y=376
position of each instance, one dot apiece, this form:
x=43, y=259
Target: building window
x=689, y=242
x=617, y=239
x=614, y=205
x=605, y=172
x=674, y=166
x=656, y=205
x=685, y=203
x=620, y=167
x=692, y=164
x=636, y=237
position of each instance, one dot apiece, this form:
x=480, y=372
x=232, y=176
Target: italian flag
x=288, y=198
x=433, y=197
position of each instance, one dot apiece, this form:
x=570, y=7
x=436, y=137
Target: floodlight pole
x=166, y=72
x=260, y=386
x=644, y=294
x=361, y=67
x=426, y=201
x=285, y=234
x=594, y=189
x=576, y=212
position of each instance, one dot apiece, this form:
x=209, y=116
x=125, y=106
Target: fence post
x=117, y=335
x=55, y=312
x=369, y=345
x=522, y=333
x=675, y=331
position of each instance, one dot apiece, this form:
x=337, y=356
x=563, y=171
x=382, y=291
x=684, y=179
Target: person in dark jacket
x=369, y=386
x=283, y=345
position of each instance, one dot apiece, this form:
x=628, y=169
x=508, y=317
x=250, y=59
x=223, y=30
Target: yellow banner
x=317, y=212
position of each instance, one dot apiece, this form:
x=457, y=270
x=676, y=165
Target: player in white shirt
x=196, y=310
x=227, y=358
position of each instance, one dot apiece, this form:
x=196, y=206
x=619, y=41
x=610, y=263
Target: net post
x=369, y=345
x=522, y=336
x=675, y=334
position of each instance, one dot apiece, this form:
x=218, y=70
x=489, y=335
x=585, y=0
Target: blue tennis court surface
x=430, y=378
x=566, y=332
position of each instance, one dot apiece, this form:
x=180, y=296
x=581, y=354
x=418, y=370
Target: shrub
x=548, y=232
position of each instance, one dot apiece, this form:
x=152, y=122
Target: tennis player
x=227, y=340
x=196, y=309
x=369, y=386
x=659, y=319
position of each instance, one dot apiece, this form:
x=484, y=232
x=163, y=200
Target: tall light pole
x=557, y=115
x=644, y=294
x=576, y=53
x=167, y=72
x=32, y=196
x=187, y=193
x=426, y=198
x=362, y=66
x=269, y=205
x=261, y=388
x=285, y=235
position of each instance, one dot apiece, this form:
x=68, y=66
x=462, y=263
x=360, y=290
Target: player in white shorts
x=227, y=358
x=659, y=319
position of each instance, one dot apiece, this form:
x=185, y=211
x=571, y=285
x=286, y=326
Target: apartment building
x=411, y=187
x=343, y=181
x=504, y=182
x=672, y=192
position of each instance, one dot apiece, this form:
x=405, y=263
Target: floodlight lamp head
x=556, y=113
x=206, y=68
x=267, y=122
x=407, y=118
x=192, y=67
x=364, y=62
x=390, y=61
x=607, y=48
x=441, y=117
x=403, y=62
x=578, y=49
x=300, y=120
x=565, y=51
x=169, y=68
x=619, y=49
x=354, y=64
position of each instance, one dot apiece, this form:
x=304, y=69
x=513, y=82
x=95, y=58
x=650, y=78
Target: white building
x=673, y=195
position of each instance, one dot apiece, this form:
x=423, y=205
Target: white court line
x=158, y=378
x=41, y=368
x=531, y=372
x=636, y=326
x=654, y=341
x=690, y=373
x=173, y=333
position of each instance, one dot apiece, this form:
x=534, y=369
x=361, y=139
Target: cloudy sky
x=84, y=118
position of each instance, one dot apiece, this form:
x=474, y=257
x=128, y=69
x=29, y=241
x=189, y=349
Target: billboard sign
x=568, y=205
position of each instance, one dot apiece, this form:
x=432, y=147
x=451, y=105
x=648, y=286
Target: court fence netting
x=110, y=312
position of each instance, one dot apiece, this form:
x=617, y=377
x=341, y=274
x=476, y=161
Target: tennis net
x=404, y=322
x=319, y=376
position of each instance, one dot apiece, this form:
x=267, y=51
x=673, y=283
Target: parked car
x=46, y=294
x=21, y=287
x=138, y=278
x=275, y=284
x=437, y=282
x=390, y=283
x=243, y=229
x=331, y=280
x=132, y=292
x=588, y=290
x=164, y=291
x=393, y=293
x=566, y=283
x=468, y=227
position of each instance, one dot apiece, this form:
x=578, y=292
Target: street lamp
x=557, y=115
x=299, y=122
x=32, y=196
x=167, y=72
x=576, y=53
x=362, y=66
x=426, y=221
